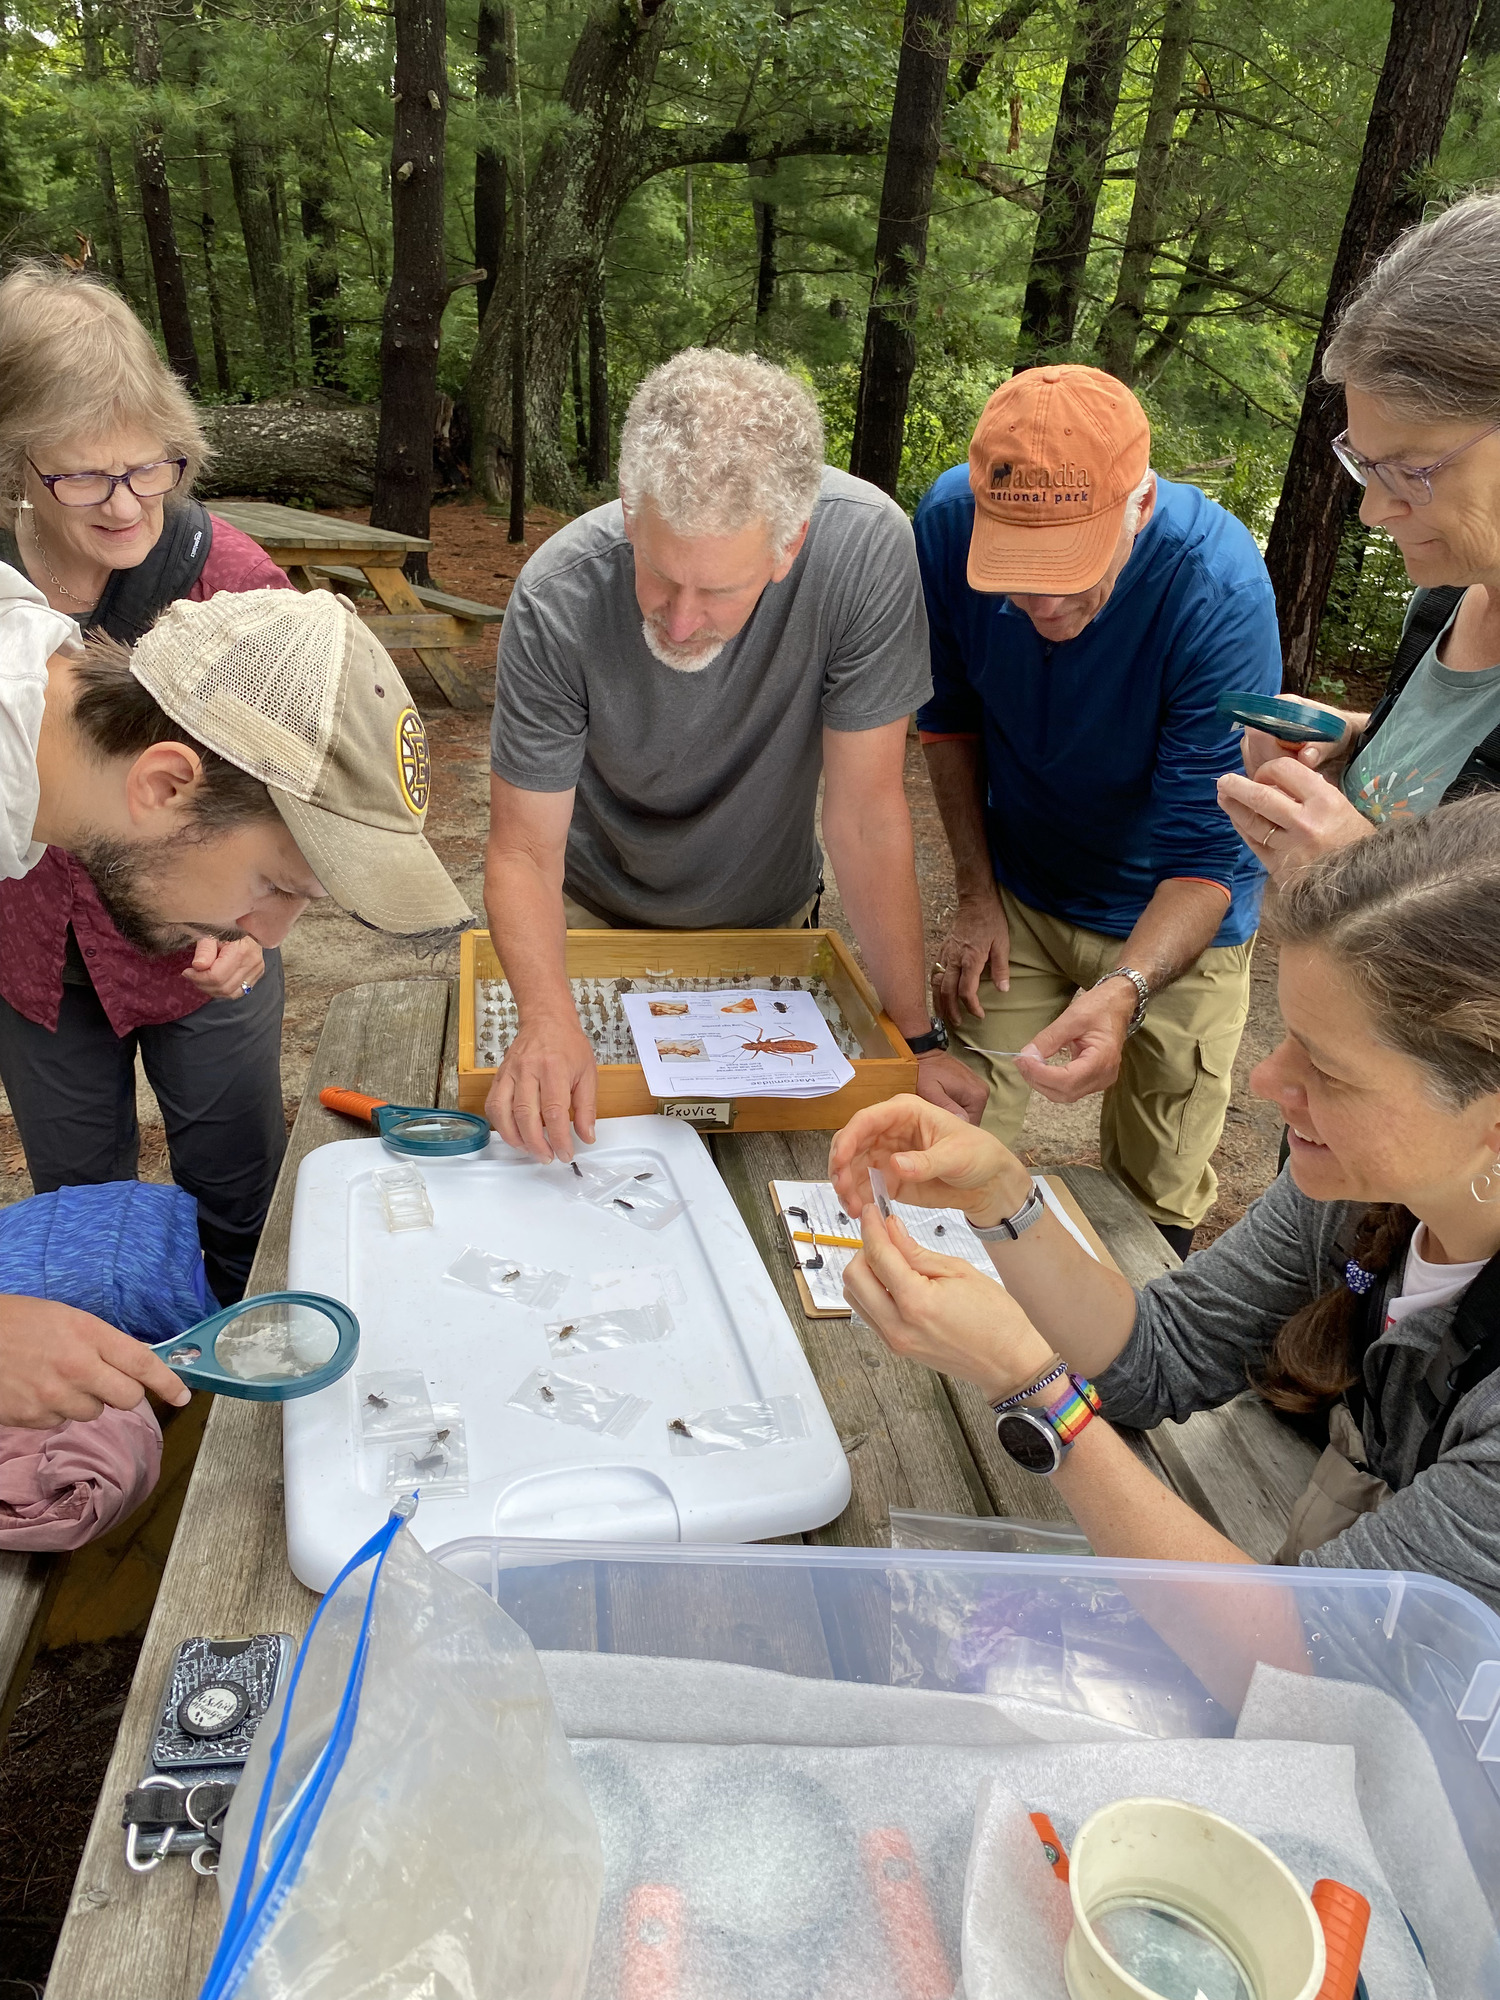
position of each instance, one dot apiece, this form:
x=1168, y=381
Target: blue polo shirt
x=1101, y=753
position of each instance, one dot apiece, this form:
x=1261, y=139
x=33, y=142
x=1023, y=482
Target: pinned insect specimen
x=546, y=1394
x=784, y=1046
x=375, y=1402
x=680, y=1427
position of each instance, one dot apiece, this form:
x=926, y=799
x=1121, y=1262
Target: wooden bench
x=913, y=1438
x=463, y=619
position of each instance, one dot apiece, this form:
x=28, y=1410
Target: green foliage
x=1267, y=139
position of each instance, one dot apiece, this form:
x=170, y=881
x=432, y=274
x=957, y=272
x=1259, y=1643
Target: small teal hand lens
x=266, y=1349
x=1283, y=716
x=415, y=1130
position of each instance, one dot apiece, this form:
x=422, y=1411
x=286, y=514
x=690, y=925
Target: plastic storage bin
x=1168, y=1650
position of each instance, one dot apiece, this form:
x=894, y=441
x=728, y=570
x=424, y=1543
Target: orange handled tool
x=911, y=1932
x=1345, y=1917
x=651, y=1947
x=351, y=1103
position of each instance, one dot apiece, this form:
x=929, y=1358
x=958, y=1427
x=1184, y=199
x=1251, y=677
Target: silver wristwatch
x=1009, y=1227
x=1142, y=992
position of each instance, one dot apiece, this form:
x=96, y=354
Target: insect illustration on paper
x=784, y=1045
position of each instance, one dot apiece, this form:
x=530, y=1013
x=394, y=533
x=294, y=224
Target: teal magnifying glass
x=1283, y=716
x=418, y=1131
x=266, y=1349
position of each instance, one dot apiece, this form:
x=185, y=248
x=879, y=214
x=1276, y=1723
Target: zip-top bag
x=410, y=1820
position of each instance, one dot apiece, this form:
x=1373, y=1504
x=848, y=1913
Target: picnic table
x=321, y=551
x=914, y=1439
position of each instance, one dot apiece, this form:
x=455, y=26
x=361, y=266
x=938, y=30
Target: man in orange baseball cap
x=1085, y=617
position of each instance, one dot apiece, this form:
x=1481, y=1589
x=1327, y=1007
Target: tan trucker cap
x=298, y=692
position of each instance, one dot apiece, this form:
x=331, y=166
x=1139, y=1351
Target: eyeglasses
x=1406, y=482
x=92, y=489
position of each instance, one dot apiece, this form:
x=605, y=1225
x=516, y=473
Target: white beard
x=681, y=659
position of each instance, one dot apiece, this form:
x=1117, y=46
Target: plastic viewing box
x=1394, y=1679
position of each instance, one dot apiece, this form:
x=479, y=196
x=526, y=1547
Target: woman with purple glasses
x=99, y=443
x=1418, y=356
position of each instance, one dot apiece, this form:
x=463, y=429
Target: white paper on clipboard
x=945, y=1230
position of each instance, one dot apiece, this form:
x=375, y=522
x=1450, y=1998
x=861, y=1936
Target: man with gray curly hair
x=677, y=670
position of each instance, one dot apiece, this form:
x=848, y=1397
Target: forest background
x=483, y=211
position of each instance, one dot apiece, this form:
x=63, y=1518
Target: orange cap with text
x=1054, y=458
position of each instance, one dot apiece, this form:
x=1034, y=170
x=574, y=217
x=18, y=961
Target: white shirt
x=1424, y=1284
x=30, y=633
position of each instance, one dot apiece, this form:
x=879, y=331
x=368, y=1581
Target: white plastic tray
x=731, y=1342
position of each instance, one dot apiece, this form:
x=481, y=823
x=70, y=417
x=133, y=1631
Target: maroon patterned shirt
x=37, y=909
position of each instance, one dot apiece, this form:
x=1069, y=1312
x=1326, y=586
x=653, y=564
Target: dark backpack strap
x=1470, y=1352
x=134, y=598
x=1481, y=770
x=1429, y=616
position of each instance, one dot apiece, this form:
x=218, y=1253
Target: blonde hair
x=75, y=362
x=718, y=441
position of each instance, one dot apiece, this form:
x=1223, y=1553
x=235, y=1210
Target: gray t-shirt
x=1426, y=739
x=697, y=792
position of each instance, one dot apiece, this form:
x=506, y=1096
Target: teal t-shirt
x=1425, y=741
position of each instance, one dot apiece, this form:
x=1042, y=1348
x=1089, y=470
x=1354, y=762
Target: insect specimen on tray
x=784, y=1046
x=680, y=1427
x=779, y=1005
x=546, y=1394
x=941, y=1229
x=645, y=1176
x=375, y=1402
x=438, y=1437
x=576, y=1168
x=511, y=1276
x=621, y=1202
x=564, y=1331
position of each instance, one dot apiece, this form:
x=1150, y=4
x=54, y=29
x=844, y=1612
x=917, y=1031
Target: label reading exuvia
x=698, y=1110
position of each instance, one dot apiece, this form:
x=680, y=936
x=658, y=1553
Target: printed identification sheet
x=811, y=1208
x=752, y=1043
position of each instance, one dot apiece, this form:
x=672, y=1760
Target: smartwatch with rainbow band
x=1039, y=1436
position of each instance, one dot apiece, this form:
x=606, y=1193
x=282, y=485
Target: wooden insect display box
x=819, y=960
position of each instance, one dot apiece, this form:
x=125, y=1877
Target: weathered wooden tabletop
x=301, y=542
x=914, y=1439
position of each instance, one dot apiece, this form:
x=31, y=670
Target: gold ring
x=937, y=966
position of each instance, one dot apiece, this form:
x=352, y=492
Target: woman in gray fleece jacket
x=1365, y=1283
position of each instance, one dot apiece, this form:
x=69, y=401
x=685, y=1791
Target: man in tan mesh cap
x=250, y=753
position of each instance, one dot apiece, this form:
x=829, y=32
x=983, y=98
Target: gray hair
x=1136, y=498
x=718, y=441
x=76, y=363
x=1423, y=331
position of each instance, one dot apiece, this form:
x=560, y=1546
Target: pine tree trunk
x=223, y=381
x=580, y=408
x=1412, y=102
x=599, y=438
x=1195, y=291
x=763, y=214
x=582, y=177
x=520, y=427
x=1119, y=336
x=890, y=353
x=325, y=326
x=412, y=326
x=113, y=261
x=491, y=86
x=156, y=207
x=254, y=200
x=1075, y=174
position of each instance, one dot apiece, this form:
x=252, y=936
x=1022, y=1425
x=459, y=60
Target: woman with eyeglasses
x=1419, y=362
x=99, y=443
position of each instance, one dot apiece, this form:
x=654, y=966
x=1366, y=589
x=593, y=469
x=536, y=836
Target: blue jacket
x=1101, y=753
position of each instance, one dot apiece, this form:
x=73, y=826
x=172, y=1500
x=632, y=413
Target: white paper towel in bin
x=1299, y=1798
x=1405, y=1808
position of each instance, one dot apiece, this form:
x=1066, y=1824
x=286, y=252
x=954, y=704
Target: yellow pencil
x=834, y=1242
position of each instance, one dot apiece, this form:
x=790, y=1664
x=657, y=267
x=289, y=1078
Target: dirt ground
x=54, y=1757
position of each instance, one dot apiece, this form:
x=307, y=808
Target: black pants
x=217, y=1078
